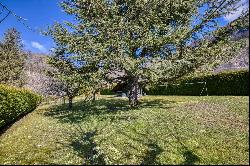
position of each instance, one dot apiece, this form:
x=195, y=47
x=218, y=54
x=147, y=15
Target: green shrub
x=226, y=83
x=106, y=92
x=15, y=102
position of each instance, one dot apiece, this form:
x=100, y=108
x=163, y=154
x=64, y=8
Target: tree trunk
x=63, y=99
x=70, y=102
x=94, y=95
x=133, y=92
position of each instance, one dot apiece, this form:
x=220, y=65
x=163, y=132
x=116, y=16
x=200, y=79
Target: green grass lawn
x=164, y=130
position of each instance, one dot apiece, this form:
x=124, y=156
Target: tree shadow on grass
x=85, y=147
x=83, y=142
x=102, y=108
x=151, y=155
x=154, y=150
x=190, y=158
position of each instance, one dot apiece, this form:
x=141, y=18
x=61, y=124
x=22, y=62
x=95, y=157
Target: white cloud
x=38, y=46
x=243, y=5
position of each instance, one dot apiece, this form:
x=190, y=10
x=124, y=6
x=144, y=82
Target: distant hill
x=238, y=30
x=35, y=73
x=240, y=61
x=241, y=58
x=36, y=78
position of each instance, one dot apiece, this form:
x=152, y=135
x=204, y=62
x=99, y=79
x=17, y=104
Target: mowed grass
x=163, y=130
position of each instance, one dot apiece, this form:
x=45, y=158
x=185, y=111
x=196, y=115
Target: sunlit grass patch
x=163, y=130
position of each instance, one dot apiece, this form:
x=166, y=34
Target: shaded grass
x=163, y=130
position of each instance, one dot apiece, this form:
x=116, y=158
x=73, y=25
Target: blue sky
x=43, y=13
x=39, y=14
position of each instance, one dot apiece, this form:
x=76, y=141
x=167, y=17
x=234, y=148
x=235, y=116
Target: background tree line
x=135, y=43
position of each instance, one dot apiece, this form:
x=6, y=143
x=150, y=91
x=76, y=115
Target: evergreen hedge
x=107, y=92
x=15, y=102
x=225, y=83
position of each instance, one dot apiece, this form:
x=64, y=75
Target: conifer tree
x=12, y=59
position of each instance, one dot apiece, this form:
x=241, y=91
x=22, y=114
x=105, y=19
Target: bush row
x=15, y=102
x=226, y=83
x=107, y=92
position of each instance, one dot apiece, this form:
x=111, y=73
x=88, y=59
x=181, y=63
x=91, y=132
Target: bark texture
x=133, y=92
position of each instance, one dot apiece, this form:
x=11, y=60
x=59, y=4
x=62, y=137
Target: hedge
x=107, y=92
x=15, y=102
x=226, y=83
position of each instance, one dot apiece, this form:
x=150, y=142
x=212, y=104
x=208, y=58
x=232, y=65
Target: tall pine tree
x=12, y=59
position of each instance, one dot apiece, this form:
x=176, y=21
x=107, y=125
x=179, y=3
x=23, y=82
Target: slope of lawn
x=164, y=130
